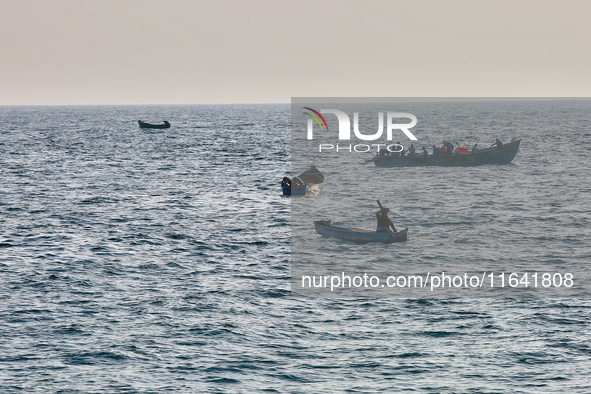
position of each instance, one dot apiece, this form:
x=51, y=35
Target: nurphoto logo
x=345, y=128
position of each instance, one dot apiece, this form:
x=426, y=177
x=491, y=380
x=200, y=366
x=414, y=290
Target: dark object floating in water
x=496, y=155
x=299, y=185
x=144, y=125
x=323, y=227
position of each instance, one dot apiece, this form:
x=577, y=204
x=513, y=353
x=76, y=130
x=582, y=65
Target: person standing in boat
x=384, y=222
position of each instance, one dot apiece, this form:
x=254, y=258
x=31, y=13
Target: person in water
x=384, y=222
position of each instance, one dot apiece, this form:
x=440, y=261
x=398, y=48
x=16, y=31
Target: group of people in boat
x=446, y=149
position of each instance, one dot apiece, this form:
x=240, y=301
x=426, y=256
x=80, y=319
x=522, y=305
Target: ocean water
x=151, y=261
x=529, y=217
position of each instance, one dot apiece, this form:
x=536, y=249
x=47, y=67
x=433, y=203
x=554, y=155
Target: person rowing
x=384, y=222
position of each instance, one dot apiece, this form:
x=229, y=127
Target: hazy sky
x=193, y=52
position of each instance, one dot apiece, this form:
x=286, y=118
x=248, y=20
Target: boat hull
x=324, y=227
x=144, y=125
x=502, y=155
x=291, y=192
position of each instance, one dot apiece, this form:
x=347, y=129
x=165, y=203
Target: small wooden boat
x=502, y=155
x=144, y=125
x=301, y=184
x=323, y=227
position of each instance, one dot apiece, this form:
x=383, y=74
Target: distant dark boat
x=502, y=155
x=144, y=125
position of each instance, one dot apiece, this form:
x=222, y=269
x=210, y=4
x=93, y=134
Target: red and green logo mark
x=315, y=118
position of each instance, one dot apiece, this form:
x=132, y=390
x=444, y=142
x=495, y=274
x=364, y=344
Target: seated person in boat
x=399, y=147
x=384, y=222
x=475, y=148
x=497, y=143
x=425, y=153
x=436, y=151
x=384, y=152
x=411, y=151
x=449, y=147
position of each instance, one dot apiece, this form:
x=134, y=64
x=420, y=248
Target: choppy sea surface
x=158, y=261
x=529, y=220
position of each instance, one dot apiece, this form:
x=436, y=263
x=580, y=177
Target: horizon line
x=301, y=99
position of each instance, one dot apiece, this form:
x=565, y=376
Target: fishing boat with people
x=144, y=125
x=382, y=234
x=498, y=153
x=308, y=181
